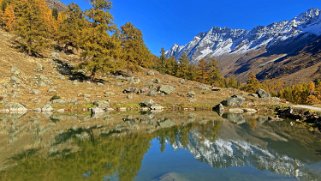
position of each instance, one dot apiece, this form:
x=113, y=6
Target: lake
x=166, y=146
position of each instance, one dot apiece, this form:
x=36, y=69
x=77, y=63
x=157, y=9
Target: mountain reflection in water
x=161, y=146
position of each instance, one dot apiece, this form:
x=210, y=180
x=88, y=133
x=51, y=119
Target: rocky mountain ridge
x=240, y=51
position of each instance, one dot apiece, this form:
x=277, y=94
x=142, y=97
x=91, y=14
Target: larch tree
x=135, y=51
x=202, y=71
x=101, y=50
x=252, y=83
x=162, y=60
x=9, y=17
x=183, y=66
x=32, y=34
x=214, y=74
x=70, y=29
x=46, y=16
x=171, y=66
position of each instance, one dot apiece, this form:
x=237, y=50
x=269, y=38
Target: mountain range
x=282, y=50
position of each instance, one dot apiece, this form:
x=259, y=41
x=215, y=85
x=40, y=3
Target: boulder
x=234, y=101
x=97, y=110
x=150, y=73
x=156, y=107
x=236, y=110
x=166, y=89
x=235, y=118
x=47, y=108
x=219, y=109
x=131, y=90
x=101, y=104
x=16, y=108
x=191, y=94
x=152, y=93
x=262, y=93
x=249, y=110
x=166, y=123
x=254, y=95
x=148, y=103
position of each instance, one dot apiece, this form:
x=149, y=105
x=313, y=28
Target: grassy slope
x=68, y=90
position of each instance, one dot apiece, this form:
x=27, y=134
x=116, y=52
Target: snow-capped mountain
x=225, y=41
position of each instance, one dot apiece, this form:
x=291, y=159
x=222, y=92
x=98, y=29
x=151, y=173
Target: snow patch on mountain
x=220, y=41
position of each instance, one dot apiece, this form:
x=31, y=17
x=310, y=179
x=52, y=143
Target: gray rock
x=97, y=110
x=59, y=101
x=101, y=104
x=191, y=94
x=262, y=93
x=15, y=71
x=152, y=93
x=166, y=89
x=148, y=103
x=35, y=92
x=254, y=95
x=16, y=108
x=166, y=123
x=47, y=108
x=15, y=80
x=150, y=73
x=235, y=118
x=182, y=81
x=236, y=110
x=131, y=90
x=157, y=107
x=134, y=80
x=39, y=67
x=109, y=94
x=216, y=89
x=234, y=101
x=219, y=109
x=249, y=110
x=156, y=81
x=130, y=96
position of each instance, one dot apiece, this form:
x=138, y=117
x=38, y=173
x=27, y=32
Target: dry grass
x=70, y=91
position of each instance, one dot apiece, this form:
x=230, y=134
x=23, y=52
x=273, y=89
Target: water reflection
x=122, y=147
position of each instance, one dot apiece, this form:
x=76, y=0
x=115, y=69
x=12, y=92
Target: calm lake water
x=156, y=146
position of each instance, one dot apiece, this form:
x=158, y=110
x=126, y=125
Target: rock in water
x=234, y=101
x=16, y=108
x=47, y=108
x=262, y=93
x=219, y=109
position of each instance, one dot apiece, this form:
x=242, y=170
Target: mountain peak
x=223, y=40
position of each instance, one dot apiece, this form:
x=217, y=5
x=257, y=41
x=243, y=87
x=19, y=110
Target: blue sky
x=165, y=22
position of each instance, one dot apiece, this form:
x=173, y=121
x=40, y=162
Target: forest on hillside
x=105, y=48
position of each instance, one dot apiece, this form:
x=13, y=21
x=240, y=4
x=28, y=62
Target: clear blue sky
x=165, y=22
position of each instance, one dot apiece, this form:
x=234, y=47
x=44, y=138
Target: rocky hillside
x=265, y=50
x=52, y=84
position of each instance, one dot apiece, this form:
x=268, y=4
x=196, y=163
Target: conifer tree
x=100, y=50
x=202, y=71
x=46, y=16
x=183, y=67
x=214, y=74
x=171, y=66
x=29, y=27
x=69, y=31
x=163, y=60
x=9, y=17
x=134, y=50
x=252, y=83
